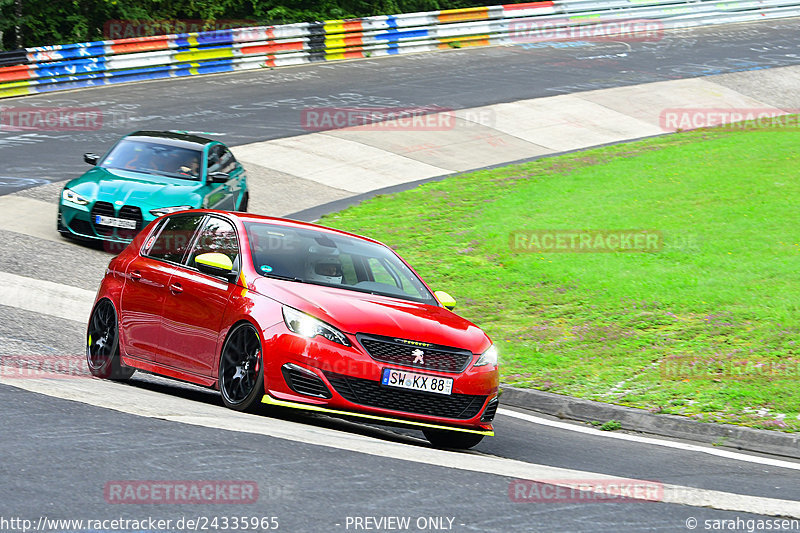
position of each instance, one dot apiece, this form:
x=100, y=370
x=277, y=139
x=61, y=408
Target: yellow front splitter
x=269, y=400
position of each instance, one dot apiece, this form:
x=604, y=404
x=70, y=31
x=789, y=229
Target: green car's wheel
x=244, y=202
x=458, y=440
x=241, y=369
x=102, y=346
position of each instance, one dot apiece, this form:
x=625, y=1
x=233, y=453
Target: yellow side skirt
x=296, y=405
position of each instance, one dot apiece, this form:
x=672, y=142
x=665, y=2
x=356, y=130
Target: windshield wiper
x=285, y=278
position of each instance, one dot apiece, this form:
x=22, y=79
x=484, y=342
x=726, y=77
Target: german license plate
x=409, y=380
x=123, y=223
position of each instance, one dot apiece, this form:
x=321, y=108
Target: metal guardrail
x=52, y=68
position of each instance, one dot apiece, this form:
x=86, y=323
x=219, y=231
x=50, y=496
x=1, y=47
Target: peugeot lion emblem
x=418, y=356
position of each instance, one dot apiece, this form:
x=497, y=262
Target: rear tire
x=456, y=440
x=102, y=344
x=244, y=202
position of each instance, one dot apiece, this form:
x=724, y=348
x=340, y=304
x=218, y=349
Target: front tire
x=241, y=369
x=244, y=202
x=102, y=344
x=456, y=440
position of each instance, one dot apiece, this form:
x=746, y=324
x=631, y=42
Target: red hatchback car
x=294, y=315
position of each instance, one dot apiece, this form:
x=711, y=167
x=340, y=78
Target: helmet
x=323, y=265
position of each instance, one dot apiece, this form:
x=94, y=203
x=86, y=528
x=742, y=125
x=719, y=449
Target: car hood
x=357, y=312
x=136, y=188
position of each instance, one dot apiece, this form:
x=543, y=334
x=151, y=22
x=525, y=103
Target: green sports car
x=145, y=175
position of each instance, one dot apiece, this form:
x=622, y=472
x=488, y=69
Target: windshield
x=311, y=256
x=154, y=158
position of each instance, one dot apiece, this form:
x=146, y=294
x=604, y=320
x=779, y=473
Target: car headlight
x=167, y=210
x=489, y=357
x=71, y=196
x=309, y=327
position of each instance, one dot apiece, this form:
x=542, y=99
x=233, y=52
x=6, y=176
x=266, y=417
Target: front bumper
x=375, y=418
x=317, y=374
x=78, y=221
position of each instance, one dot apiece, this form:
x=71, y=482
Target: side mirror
x=218, y=177
x=445, y=299
x=91, y=158
x=215, y=264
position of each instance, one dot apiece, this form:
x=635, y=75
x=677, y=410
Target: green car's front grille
x=106, y=209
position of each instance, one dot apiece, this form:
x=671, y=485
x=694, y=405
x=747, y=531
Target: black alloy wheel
x=241, y=369
x=102, y=344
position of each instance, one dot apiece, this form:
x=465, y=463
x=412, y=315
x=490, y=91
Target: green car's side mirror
x=215, y=264
x=91, y=158
x=445, y=299
x=218, y=177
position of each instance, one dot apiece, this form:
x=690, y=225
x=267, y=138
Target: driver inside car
x=325, y=268
x=191, y=166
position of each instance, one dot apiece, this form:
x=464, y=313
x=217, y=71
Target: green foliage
x=45, y=22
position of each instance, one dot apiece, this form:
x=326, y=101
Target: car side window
x=171, y=243
x=227, y=162
x=220, y=159
x=217, y=236
x=214, y=159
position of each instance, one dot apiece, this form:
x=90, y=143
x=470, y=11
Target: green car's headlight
x=167, y=210
x=309, y=327
x=489, y=357
x=71, y=196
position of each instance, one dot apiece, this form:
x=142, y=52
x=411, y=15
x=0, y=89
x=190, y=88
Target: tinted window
x=220, y=159
x=174, y=238
x=216, y=236
x=154, y=158
x=322, y=258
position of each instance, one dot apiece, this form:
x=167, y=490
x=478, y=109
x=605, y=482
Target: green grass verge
x=706, y=327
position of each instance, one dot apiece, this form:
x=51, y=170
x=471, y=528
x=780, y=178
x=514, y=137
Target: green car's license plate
x=123, y=223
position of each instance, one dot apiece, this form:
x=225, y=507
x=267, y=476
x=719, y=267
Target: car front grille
x=373, y=394
x=490, y=411
x=304, y=381
x=132, y=213
x=129, y=212
x=81, y=227
x=104, y=209
x=415, y=354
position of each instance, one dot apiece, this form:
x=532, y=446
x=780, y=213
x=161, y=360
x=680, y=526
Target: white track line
x=46, y=297
x=73, y=303
x=127, y=399
x=648, y=440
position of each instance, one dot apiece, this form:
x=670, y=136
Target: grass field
x=707, y=326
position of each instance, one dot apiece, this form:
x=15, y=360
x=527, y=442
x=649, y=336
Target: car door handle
x=175, y=288
x=136, y=275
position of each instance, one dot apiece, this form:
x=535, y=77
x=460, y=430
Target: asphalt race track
x=252, y=106
x=64, y=441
